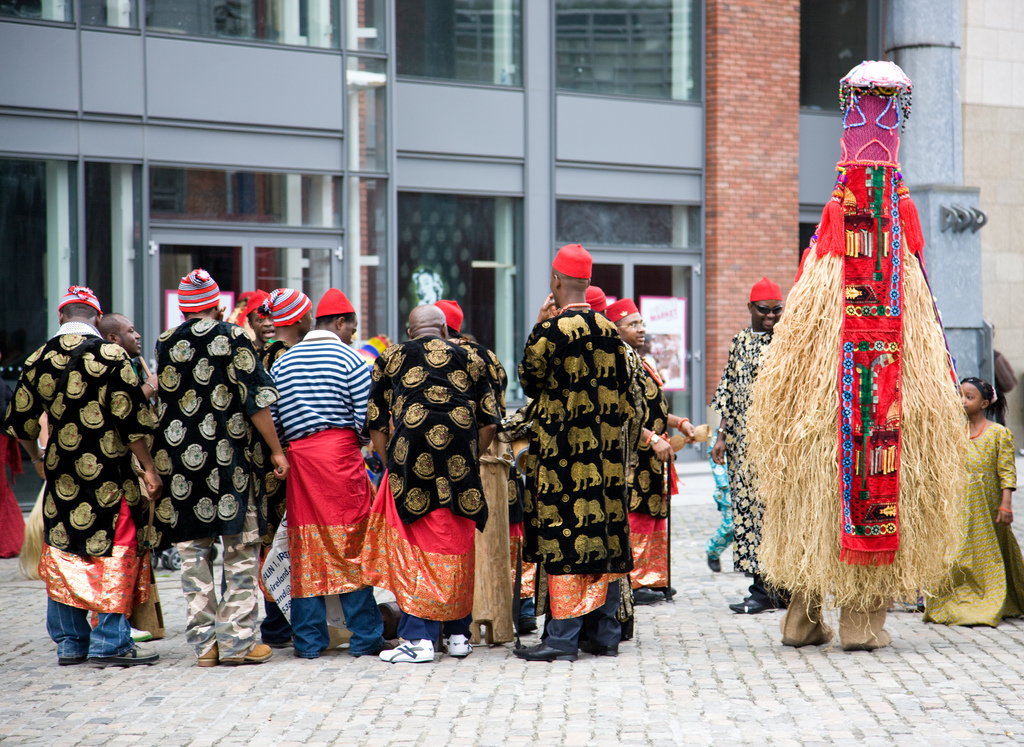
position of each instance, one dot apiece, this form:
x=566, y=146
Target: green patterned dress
x=731, y=401
x=986, y=582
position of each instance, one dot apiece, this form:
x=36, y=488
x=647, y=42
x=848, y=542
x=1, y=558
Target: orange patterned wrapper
x=100, y=584
x=574, y=595
x=650, y=558
x=529, y=584
x=326, y=559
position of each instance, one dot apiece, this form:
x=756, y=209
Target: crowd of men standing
x=230, y=437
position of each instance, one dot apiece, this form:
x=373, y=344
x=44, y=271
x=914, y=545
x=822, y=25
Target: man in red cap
x=260, y=323
x=597, y=300
x=576, y=371
x=93, y=508
x=731, y=401
x=215, y=393
x=291, y=314
x=648, y=507
x=324, y=385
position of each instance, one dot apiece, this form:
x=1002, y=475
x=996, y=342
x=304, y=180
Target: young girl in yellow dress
x=986, y=581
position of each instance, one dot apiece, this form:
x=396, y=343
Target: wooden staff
x=665, y=492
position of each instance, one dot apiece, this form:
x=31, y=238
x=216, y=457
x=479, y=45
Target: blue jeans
x=362, y=618
x=603, y=629
x=413, y=628
x=275, y=627
x=70, y=629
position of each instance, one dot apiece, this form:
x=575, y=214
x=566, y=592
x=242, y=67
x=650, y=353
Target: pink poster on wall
x=665, y=319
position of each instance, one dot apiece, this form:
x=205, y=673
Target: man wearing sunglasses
x=731, y=401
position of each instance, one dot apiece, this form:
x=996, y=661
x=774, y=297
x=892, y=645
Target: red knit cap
x=197, y=291
x=573, y=260
x=334, y=302
x=80, y=294
x=256, y=299
x=765, y=290
x=452, y=314
x=286, y=305
x=597, y=299
x=621, y=309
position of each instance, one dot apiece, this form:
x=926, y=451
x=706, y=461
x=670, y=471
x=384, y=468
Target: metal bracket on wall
x=960, y=218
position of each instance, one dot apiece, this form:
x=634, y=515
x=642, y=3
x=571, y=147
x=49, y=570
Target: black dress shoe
x=669, y=592
x=135, y=657
x=643, y=596
x=70, y=661
x=544, y=652
x=715, y=564
x=596, y=650
x=750, y=607
x=527, y=625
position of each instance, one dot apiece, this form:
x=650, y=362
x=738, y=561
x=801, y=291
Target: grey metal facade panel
x=44, y=136
x=631, y=133
x=244, y=150
x=820, y=133
x=433, y=175
x=458, y=120
x=38, y=67
x=628, y=186
x=107, y=140
x=112, y=79
x=211, y=82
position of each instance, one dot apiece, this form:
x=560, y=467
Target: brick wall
x=753, y=150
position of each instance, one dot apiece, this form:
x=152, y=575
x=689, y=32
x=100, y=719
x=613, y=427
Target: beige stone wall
x=992, y=90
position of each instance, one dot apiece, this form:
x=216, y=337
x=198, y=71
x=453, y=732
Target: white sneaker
x=141, y=635
x=410, y=652
x=458, y=645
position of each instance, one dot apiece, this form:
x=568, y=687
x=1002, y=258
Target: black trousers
x=760, y=592
x=603, y=629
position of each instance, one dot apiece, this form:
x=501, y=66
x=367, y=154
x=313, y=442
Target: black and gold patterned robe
x=95, y=407
x=273, y=488
x=439, y=397
x=647, y=478
x=575, y=368
x=731, y=401
x=211, y=383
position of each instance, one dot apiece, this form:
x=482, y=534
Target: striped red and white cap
x=197, y=291
x=80, y=294
x=287, y=306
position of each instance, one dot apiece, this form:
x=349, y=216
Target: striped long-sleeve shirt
x=323, y=384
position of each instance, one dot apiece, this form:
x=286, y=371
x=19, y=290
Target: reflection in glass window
x=46, y=10
x=117, y=13
x=367, y=253
x=365, y=23
x=243, y=196
x=627, y=224
x=308, y=270
x=113, y=234
x=833, y=39
x=644, y=48
x=476, y=41
x=468, y=249
x=367, y=114
x=37, y=209
x=303, y=23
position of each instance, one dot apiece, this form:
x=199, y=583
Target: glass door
x=667, y=290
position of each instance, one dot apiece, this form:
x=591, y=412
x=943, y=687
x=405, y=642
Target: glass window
x=365, y=23
x=224, y=263
x=646, y=48
x=308, y=270
x=119, y=13
x=46, y=10
x=367, y=239
x=477, y=41
x=37, y=252
x=468, y=249
x=303, y=23
x=244, y=197
x=367, y=114
x=113, y=234
x=833, y=39
x=627, y=224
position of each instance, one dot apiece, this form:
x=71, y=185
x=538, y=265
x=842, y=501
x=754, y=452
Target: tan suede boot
x=211, y=658
x=863, y=631
x=802, y=625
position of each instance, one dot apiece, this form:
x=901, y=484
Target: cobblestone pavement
x=695, y=674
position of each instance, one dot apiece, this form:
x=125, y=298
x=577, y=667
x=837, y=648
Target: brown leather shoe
x=210, y=659
x=257, y=655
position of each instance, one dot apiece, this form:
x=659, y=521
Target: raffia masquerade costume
x=856, y=426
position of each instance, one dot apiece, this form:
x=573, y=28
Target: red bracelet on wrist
x=648, y=441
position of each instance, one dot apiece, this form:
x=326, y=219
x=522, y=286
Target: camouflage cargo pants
x=231, y=622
